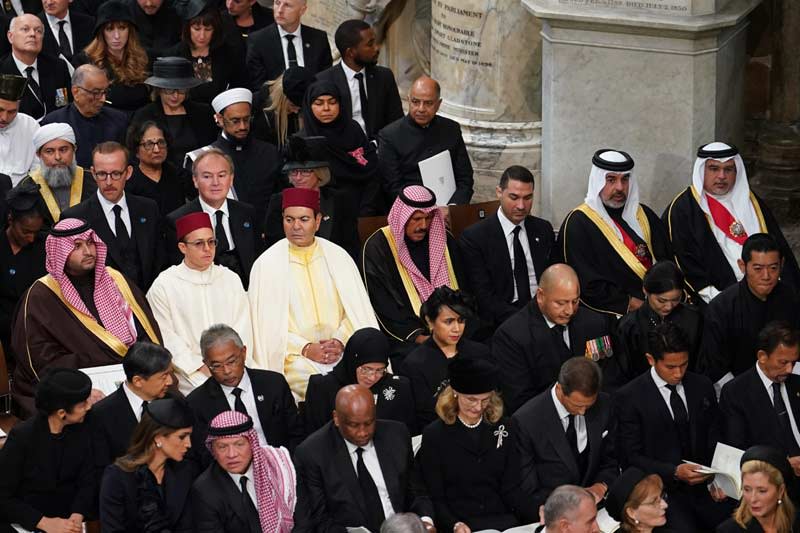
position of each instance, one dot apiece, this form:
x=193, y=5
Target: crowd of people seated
x=181, y=190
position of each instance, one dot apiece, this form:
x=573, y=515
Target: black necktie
x=559, y=330
x=119, y=228
x=144, y=406
x=63, y=41
x=238, y=404
x=249, y=506
x=219, y=233
x=681, y=418
x=291, y=53
x=375, y=514
x=521, y=270
x=572, y=437
x=362, y=95
x=783, y=419
x=37, y=91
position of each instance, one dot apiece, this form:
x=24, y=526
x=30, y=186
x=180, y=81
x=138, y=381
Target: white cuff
x=721, y=383
x=708, y=293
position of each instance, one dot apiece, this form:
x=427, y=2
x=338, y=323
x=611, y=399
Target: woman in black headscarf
x=352, y=158
x=364, y=362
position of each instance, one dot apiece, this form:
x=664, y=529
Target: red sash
x=639, y=250
x=725, y=221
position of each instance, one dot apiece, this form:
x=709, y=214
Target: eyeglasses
x=371, y=372
x=237, y=121
x=170, y=92
x=301, y=171
x=149, y=145
x=200, y=243
x=472, y=400
x=102, y=175
x=663, y=496
x=94, y=93
x=232, y=362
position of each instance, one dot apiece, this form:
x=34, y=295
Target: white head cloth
x=231, y=96
x=738, y=198
x=597, y=180
x=51, y=132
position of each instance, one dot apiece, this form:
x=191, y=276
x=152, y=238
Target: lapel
x=339, y=78
x=50, y=43
x=176, y=490
x=760, y=399
x=557, y=436
x=127, y=422
x=793, y=392
x=538, y=255
x=694, y=406
x=230, y=492
x=505, y=258
x=218, y=401
x=140, y=235
x=100, y=225
x=344, y=465
x=657, y=401
x=594, y=433
x=390, y=471
x=328, y=212
x=372, y=98
x=262, y=407
x=236, y=224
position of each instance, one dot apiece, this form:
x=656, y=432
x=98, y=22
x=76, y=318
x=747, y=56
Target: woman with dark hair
x=364, y=362
x=663, y=290
x=637, y=501
x=190, y=124
x=466, y=454
x=47, y=481
x=352, y=158
x=154, y=176
x=117, y=50
x=147, y=489
x=445, y=313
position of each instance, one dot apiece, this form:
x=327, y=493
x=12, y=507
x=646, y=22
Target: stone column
x=485, y=54
x=655, y=78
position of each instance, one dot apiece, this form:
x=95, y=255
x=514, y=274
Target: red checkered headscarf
x=410, y=200
x=273, y=471
x=114, y=311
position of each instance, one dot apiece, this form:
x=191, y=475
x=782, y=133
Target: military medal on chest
x=641, y=251
x=736, y=228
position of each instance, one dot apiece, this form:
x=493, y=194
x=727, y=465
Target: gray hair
x=563, y=503
x=403, y=523
x=209, y=153
x=216, y=334
x=80, y=74
x=12, y=25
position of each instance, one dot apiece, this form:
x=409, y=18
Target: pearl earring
x=780, y=502
x=158, y=445
x=636, y=521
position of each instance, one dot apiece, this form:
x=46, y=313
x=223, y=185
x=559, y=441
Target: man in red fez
x=306, y=296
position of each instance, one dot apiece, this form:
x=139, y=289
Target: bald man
x=533, y=343
x=356, y=470
x=419, y=135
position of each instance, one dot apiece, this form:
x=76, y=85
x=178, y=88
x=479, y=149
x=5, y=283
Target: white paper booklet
x=725, y=467
x=437, y=175
x=529, y=528
x=105, y=378
x=605, y=522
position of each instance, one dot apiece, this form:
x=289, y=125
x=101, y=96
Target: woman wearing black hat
x=766, y=504
x=147, y=489
x=190, y=124
x=352, y=158
x=364, y=362
x=117, y=50
x=466, y=453
x=637, y=502
x=47, y=481
x=664, y=291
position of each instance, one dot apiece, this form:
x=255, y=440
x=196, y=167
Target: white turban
x=231, y=96
x=614, y=162
x=51, y=132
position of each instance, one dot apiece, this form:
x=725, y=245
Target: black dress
x=170, y=192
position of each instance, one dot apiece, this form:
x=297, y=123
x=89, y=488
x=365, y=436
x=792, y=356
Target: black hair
x=462, y=303
x=516, y=173
x=348, y=34
x=760, y=242
x=664, y=276
x=776, y=333
x=145, y=359
x=665, y=338
x=208, y=17
x=580, y=374
x=136, y=133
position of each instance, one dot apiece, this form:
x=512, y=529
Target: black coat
x=200, y=118
x=470, y=474
x=54, y=79
x=145, y=233
x=329, y=497
x=108, y=125
x=170, y=192
x=529, y=354
x=227, y=71
x=156, y=32
x=545, y=459
x=217, y=503
x=112, y=422
x=265, y=59
x=82, y=33
x=45, y=476
x=485, y=252
x=383, y=97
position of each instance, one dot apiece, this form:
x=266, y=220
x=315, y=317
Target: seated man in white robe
x=189, y=297
x=306, y=296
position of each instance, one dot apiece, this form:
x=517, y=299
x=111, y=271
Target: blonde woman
x=281, y=100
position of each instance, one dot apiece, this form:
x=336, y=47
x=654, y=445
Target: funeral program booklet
x=725, y=467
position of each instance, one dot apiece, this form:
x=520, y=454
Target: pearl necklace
x=471, y=426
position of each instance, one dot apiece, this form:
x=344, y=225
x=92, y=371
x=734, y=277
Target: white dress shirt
x=666, y=393
x=108, y=211
x=136, y=403
x=580, y=421
x=551, y=325
x=785, y=395
x=251, y=484
x=226, y=224
x=508, y=231
x=53, y=22
x=22, y=66
x=249, y=400
x=355, y=94
x=374, y=468
x=298, y=45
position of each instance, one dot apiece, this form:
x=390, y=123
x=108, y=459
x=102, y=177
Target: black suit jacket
x=329, y=497
x=217, y=503
x=748, y=416
x=265, y=59
x=525, y=349
x=485, y=253
x=383, y=97
x=277, y=411
x=53, y=77
x=145, y=231
x=545, y=460
x=243, y=226
x=82, y=33
x=646, y=433
x=112, y=422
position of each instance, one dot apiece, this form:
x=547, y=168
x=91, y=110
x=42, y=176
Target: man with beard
x=256, y=163
x=611, y=240
x=374, y=100
x=62, y=183
x=81, y=314
x=16, y=130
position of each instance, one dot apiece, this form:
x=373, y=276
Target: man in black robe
x=735, y=317
x=710, y=220
x=404, y=262
x=420, y=135
x=612, y=239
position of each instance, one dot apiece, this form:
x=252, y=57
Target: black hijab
x=367, y=345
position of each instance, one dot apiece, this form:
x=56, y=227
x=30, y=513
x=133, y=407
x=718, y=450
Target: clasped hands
x=324, y=352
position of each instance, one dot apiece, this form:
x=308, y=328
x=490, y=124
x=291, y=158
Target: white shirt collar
x=660, y=383
x=108, y=206
x=764, y=379
x=560, y=409
x=22, y=66
x=212, y=211
x=249, y=474
x=351, y=448
x=244, y=384
x=53, y=21
x=134, y=400
x=284, y=33
x=506, y=224
x=348, y=72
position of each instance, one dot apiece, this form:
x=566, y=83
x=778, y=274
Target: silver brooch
x=500, y=433
x=260, y=397
x=388, y=393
